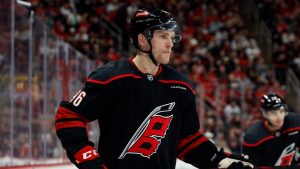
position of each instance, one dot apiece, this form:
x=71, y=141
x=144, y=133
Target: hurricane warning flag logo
x=147, y=137
x=286, y=156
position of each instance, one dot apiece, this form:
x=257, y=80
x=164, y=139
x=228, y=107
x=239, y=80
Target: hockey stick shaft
x=273, y=167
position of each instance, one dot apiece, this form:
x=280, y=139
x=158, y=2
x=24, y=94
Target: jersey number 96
x=76, y=100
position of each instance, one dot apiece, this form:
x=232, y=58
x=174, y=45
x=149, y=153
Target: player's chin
x=165, y=58
x=164, y=61
x=278, y=126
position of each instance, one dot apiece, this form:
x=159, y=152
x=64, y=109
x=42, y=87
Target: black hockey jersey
x=266, y=148
x=145, y=121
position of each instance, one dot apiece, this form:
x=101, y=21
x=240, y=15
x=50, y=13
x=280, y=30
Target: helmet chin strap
x=152, y=58
x=271, y=126
x=268, y=124
x=149, y=53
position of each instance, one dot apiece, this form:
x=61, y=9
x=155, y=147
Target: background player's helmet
x=146, y=22
x=271, y=102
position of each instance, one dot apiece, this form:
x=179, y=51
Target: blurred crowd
x=225, y=64
x=283, y=19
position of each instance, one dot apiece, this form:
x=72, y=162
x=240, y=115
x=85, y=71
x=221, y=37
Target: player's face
x=162, y=45
x=276, y=118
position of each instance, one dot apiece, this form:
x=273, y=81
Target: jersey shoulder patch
x=256, y=135
x=112, y=71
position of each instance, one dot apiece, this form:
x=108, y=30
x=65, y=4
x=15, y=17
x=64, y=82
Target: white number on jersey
x=78, y=98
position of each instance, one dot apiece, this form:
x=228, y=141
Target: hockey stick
x=278, y=167
x=273, y=167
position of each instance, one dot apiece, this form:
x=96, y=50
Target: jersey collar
x=144, y=74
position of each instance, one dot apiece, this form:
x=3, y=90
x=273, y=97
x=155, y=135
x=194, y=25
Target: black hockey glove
x=92, y=164
x=230, y=161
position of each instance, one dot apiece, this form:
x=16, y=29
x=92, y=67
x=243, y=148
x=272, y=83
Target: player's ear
x=264, y=113
x=142, y=41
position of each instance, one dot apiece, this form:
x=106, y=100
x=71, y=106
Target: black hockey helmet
x=146, y=22
x=271, y=102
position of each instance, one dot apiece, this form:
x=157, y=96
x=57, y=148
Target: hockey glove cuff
x=87, y=158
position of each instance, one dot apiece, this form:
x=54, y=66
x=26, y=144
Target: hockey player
x=274, y=140
x=146, y=110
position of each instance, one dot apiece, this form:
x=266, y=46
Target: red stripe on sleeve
x=186, y=140
x=64, y=113
x=68, y=124
x=191, y=147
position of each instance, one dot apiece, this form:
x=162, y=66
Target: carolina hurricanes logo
x=147, y=137
x=286, y=156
